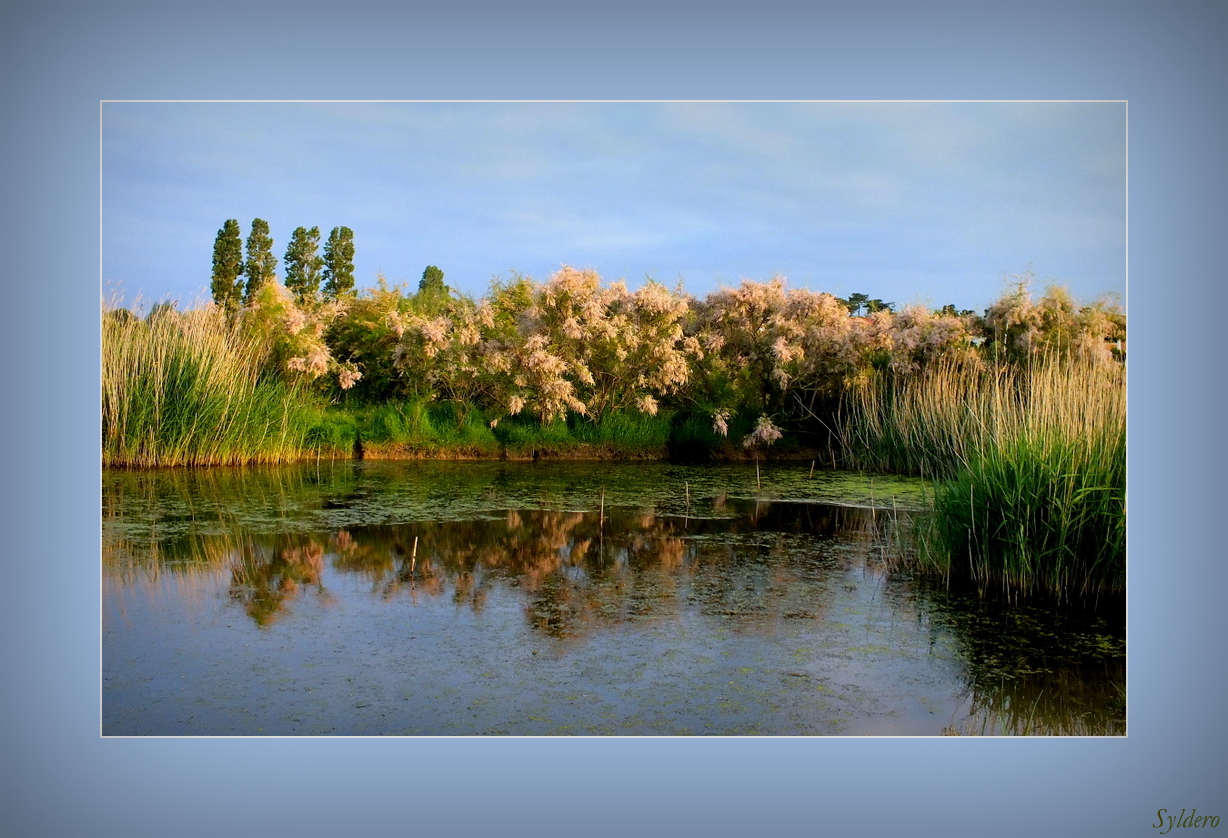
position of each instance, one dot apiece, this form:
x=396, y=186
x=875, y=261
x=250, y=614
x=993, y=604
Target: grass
x=693, y=438
x=619, y=433
x=1030, y=467
x=426, y=426
x=191, y=389
x=627, y=430
x=419, y=425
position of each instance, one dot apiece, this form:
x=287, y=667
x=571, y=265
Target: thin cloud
x=871, y=194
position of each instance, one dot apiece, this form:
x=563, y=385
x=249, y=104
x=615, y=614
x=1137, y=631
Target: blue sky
x=907, y=202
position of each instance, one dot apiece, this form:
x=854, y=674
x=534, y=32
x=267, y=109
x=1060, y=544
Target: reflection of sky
x=905, y=202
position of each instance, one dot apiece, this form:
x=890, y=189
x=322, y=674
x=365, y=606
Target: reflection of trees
x=577, y=574
x=780, y=561
x=567, y=564
x=576, y=571
x=752, y=566
x=264, y=578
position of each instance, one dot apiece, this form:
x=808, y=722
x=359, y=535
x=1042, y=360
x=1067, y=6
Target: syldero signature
x=1183, y=820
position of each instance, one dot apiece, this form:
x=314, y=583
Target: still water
x=369, y=598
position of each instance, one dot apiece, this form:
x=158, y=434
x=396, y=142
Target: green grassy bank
x=429, y=429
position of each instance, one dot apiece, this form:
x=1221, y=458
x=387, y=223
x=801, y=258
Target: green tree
x=856, y=302
x=304, y=265
x=339, y=263
x=228, y=266
x=432, y=281
x=261, y=264
x=365, y=334
x=165, y=308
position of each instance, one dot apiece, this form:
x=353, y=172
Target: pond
x=642, y=599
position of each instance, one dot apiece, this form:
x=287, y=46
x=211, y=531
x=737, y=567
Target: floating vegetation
x=500, y=598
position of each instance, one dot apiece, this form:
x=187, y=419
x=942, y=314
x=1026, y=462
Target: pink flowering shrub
x=569, y=345
x=764, y=434
x=293, y=336
x=1019, y=328
x=438, y=347
x=575, y=346
x=915, y=336
x=768, y=347
x=367, y=333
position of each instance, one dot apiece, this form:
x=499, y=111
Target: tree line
x=575, y=345
x=307, y=272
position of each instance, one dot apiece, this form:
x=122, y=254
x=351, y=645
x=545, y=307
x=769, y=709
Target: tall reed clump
x=192, y=388
x=1030, y=469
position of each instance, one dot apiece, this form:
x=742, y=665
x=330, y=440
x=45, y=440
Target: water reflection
x=577, y=570
x=1035, y=670
x=265, y=577
x=822, y=573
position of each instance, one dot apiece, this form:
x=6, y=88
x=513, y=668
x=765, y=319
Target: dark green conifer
x=261, y=264
x=227, y=287
x=339, y=263
x=304, y=265
x=432, y=281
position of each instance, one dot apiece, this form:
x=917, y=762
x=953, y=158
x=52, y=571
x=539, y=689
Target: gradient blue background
x=57, y=60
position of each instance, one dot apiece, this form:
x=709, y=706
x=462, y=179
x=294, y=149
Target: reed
x=192, y=389
x=1030, y=469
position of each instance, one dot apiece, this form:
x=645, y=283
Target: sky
x=907, y=202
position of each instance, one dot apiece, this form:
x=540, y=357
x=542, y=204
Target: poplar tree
x=303, y=264
x=228, y=266
x=432, y=281
x=261, y=264
x=339, y=263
